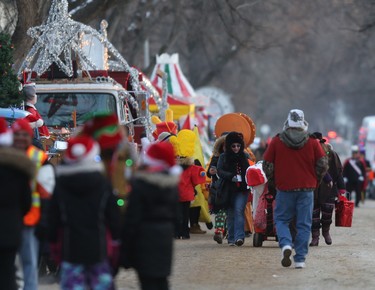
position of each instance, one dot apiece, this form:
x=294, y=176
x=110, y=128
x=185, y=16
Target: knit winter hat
x=6, y=135
x=319, y=136
x=105, y=130
x=296, y=119
x=355, y=148
x=234, y=137
x=164, y=136
x=161, y=155
x=29, y=91
x=22, y=125
x=81, y=149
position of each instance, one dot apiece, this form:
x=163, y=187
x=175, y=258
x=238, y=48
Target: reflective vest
x=33, y=216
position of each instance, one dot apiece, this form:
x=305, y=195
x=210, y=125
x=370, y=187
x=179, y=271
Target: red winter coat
x=36, y=120
x=190, y=177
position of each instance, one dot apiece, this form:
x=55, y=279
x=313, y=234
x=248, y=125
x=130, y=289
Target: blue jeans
x=236, y=217
x=298, y=205
x=29, y=258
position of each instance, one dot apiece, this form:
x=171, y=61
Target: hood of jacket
x=294, y=138
x=218, y=146
x=17, y=159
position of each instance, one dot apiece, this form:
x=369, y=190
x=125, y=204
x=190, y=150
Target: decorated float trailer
x=69, y=62
x=67, y=103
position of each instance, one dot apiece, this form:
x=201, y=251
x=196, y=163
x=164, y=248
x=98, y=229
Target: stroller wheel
x=257, y=239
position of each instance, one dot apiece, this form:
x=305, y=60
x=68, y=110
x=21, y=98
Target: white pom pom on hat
x=6, y=135
x=78, y=150
x=81, y=148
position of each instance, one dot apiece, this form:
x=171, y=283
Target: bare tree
x=30, y=13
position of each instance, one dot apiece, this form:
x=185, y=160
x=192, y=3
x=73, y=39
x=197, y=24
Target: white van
x=367, y=138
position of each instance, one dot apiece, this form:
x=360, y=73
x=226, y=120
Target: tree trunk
x=30, y=13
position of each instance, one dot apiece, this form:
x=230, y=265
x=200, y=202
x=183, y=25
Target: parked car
x=12, y=114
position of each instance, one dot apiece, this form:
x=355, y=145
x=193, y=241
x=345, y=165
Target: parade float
x=192, y=112
x=78, y=73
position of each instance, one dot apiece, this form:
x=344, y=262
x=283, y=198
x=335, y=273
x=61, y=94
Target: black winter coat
x=149, y=221
x=226, y=169
x=83, y=208
x=324, y=193
x=16, y=171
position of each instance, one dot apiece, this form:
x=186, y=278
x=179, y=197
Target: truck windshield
x=58, y=109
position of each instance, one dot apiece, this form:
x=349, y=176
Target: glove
x=361, y=178
x=345, y=179
x=234, y=179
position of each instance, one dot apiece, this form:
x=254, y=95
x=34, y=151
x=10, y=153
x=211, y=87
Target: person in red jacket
x=191, y=176
x=34, y=118
x=294, y=163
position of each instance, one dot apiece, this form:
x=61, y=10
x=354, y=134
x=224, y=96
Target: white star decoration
x=59, y=37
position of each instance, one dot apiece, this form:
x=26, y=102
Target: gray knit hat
x=29, y=91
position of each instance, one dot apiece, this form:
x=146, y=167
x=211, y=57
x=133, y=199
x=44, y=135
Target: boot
x=218, y=237
x=315, y=238
x=209, y=225
x=196, y=229
x=326, y=236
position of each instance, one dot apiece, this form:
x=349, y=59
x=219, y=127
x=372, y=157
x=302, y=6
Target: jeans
x=29, y=258
x=236, y=217
x=298, y=205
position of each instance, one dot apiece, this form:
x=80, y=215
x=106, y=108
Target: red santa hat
x=81, y=149
x=255, y=175
x=105, y=130
x=22, y=125
x=6, y=135
x=161, y=155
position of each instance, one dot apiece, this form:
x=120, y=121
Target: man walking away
x=294, y=164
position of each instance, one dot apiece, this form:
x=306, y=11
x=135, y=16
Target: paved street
x=200, y=263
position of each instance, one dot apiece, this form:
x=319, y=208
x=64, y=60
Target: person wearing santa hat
x=150, y=215
x=84, y=219
x=35, y=221
x=35, y=120
x=16, y=172
x=117, y=153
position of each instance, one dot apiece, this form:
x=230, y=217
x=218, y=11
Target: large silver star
x=54, y=41
x=59, y=37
